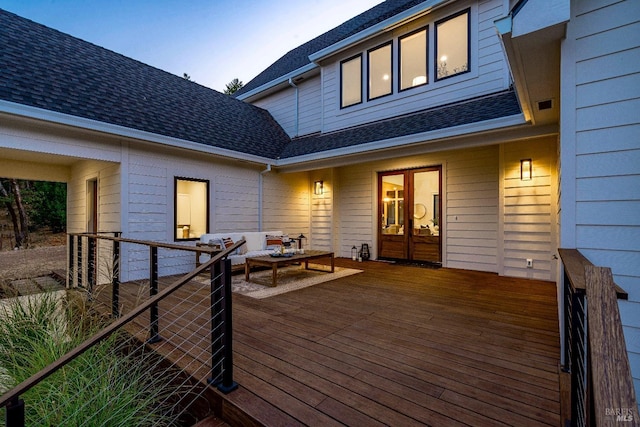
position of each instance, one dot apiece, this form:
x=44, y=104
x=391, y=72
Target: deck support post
x=154, y=335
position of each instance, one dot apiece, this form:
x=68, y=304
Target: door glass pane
x=393, y=204
x=426, y=203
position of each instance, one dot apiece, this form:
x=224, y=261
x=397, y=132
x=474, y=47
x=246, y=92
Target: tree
x=233, y=86
x=18, y=215
x=187, y=77
x=47, y=203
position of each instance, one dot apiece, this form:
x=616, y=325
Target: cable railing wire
x=179, y=325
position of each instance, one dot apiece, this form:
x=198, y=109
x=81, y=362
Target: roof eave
x=122, y=131
x=406, y=141
x=282, y=80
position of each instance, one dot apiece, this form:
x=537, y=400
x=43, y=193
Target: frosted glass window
x=413, y=59
x=452, y=45
x=351, y=81
x=191, y=208
x=380, y=77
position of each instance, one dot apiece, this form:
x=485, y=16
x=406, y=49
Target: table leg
x=247, y=270
x=274, y=281
x=332, y=264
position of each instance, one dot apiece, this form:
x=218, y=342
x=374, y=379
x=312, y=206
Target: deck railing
x=216, y=327
x=602, y=391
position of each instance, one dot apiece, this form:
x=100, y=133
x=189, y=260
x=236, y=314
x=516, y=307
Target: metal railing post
x=14, y=415
x=91, y=265
x=79, y=261
x=70, y=261
x=154, y=335
x=216, y=324
x=115, y=279
x=228, y=384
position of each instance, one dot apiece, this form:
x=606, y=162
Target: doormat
x=421, y=264
x=289, y=279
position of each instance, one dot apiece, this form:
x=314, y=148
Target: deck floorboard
x=393, y=345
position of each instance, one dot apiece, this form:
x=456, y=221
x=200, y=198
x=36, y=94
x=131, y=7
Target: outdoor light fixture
x=318, y=188
x=525, y=169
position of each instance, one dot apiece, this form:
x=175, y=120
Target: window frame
x=466, y=11
x=176, y=237
x=426, y=58
x=369, y=51
x=344, y=61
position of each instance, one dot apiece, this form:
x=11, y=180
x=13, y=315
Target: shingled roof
x=45, y=68
x=495, y=106
x=299, y=57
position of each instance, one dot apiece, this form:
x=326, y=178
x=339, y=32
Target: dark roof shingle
x=45, y=68
x=499, y=105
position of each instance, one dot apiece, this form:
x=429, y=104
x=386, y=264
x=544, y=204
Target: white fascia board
x=280, y=80
x=536, y=15
x=394, y=21
x=403, y=141
x=122, y=131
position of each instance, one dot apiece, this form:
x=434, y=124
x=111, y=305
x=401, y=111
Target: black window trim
x=175, y=206
x=435, y=44
x=404, y=36
x=359, y=55
x=380, y=46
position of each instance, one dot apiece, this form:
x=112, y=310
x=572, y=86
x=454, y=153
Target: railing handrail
x=612, y=383
x=574, y=266
x=107, y=331
x=595, y=352
x=149, y=243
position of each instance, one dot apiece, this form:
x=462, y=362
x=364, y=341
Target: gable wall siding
x=282, y=106
x=310, y=114
x=601, y=145
x=489, y=72
x=529, y=211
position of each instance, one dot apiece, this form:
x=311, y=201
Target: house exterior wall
x=319, y=96
x=488, y=74
x=600, y=148
x=492, y=221
x=286, y=204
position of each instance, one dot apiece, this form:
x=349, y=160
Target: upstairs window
x=191, y=208
x=452, y=55
x=351, y=81
x=379, y=71
x=413, y=59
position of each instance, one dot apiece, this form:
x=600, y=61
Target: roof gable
x=51, y=70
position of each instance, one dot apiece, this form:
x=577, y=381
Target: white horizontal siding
x=282, y=106
x=603, y=45
x=285, y=203
x=310, y=106
x=486, y=76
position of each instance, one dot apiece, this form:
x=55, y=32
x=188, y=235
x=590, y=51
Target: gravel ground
x=29, y=263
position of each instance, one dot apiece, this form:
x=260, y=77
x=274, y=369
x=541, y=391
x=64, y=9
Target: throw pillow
x=272, y=242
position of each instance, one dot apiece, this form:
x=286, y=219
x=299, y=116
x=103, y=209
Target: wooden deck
x=394, y=345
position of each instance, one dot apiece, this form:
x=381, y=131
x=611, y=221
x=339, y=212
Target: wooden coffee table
x=281, y=261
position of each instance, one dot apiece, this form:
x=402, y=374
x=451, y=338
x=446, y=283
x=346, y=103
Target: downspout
x=293, y=85
x=260, y=180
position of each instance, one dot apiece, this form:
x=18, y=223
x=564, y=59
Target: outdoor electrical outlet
x=529, y=263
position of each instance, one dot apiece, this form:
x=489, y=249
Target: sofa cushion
x=272, y=242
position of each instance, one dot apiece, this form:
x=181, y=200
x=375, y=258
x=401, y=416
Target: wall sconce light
x=318, y=188
x=525, y=169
